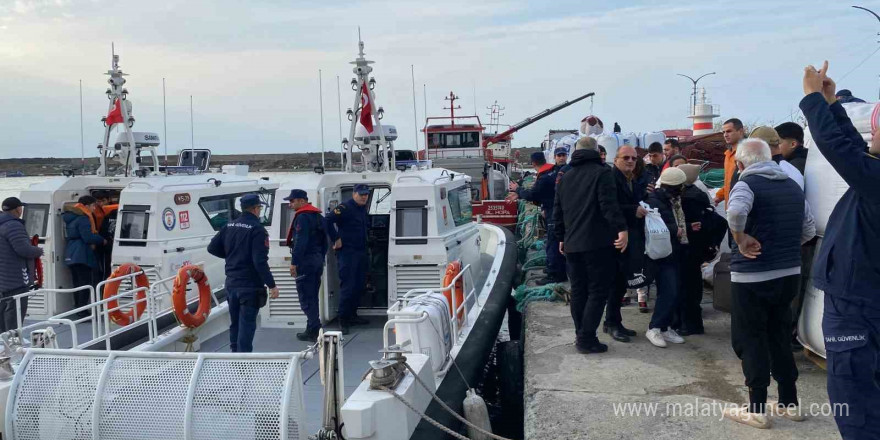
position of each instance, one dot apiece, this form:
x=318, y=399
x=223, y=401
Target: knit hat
x=692, y=171
x=766, y=134
x=586, y=143
x=672, y=176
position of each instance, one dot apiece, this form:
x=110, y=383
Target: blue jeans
x=243, y=313
x=352, y=279
x=668, y=285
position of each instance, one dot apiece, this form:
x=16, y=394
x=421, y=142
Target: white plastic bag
x=658, y=244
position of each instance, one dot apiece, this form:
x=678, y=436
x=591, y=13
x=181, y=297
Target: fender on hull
x=475, y=352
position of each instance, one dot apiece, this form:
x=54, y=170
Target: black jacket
x=846, y=264
x=586, y=212
x=244, y=243
x=799, y=158
x=17, y=254
x=629, y=194
x=694, y=203
x=661, y=200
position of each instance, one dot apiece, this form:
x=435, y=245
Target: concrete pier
x=677, y=391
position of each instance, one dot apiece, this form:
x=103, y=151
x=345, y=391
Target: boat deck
x=573, y=396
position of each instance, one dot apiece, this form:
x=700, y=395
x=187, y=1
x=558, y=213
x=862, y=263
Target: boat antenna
x=82, y=148
x=474, y=85
x=375, y=156
x=339, y=109
x=321, y=109
x=412, y=70
x=164, y=125
x=425, y=103
x=192, y=135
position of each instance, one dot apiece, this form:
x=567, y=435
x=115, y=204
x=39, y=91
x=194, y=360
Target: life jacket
x=305, y=208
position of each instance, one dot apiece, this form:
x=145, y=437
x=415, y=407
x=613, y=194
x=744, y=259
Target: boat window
x=380, y=201
x=135, y=223
x=460, y=205
x=36, y=219
x=268, y=199
x=221, y=209
x=412, y=221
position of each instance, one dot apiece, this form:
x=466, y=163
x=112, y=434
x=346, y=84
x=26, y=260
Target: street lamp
x=695, y=81
x=870, y=12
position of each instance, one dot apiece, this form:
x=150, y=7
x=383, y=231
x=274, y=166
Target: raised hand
x=829, y=88
x=812, y=80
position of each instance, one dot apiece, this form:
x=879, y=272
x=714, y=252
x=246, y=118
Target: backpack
x=658, y=243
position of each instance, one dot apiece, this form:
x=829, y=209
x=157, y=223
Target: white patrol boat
x=438, y=287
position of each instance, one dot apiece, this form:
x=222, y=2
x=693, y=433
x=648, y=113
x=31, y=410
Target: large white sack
x=611, y=142
x=822, y=185
x=865, y=116
x=592, y=125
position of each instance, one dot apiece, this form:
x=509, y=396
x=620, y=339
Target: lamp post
x=695, y=81
x=870, y=12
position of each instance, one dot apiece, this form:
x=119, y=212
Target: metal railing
x=404, y=317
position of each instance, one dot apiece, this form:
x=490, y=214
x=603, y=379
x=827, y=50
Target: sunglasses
x=628, y=158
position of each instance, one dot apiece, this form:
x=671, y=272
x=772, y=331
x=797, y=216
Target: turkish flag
x=366, y=109
x=115, y=115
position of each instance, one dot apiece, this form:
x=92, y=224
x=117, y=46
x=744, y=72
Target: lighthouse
x=704, y=115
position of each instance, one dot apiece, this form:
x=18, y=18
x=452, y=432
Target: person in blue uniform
x=543, y=193
x=346, y=225
x=847, y=267
x=244, y=244
x=308, y=246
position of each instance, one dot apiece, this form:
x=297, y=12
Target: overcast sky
x=252, y=66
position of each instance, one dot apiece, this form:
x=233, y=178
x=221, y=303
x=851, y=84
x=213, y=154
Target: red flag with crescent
x=366, y=109
x=115, y=115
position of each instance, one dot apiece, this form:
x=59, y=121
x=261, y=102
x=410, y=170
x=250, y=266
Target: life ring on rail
x=178, y=296
x=131, y=315
x=452, y=270
x=38, y=264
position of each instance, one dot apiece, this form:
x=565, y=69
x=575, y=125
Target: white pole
x=339, y=107
x=412, y=70
x=321, y=107
x=82, y=148
x=425, y=102
x=192, y=135
x=164, y=126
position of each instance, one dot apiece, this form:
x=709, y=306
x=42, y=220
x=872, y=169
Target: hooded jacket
x=81, y=236
x=586, y=213
x=768, y=205
x=17, y=254
x=846, y=262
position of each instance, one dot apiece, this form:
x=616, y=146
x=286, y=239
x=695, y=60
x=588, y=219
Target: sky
x=252, y=67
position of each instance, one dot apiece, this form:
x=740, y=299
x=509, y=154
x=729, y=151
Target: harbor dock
x=638, y=391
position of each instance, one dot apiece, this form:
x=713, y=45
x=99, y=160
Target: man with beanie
x=588, y=219
x=847, y=266
x=542, y=193
x=244, y=244
x=17, y=256
x=769, y=221
x=791, y=144
x=666, y=199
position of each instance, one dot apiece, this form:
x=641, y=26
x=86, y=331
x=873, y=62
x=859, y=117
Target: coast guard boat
x=438, y=288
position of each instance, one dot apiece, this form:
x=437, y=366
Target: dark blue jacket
x=244, y=243
x=17, y=254
x=348, y=221
x=543, y=192
x=80, y=238
x=308, y=240
x=848, y=264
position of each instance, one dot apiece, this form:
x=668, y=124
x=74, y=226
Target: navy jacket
x=17, y=254
x=244, y=243
x=308, y=241
x=848, y=263
x=629, y=194
x=348, y=221
x=80, y=238
x=543, y=191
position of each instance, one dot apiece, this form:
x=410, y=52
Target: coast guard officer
x=346, y=226
x=244, y=243
x=308, y=245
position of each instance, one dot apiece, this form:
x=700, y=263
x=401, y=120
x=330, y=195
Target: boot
x=308, y=335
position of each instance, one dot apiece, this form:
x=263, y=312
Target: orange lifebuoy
x=178, y=296
x=131, y=315
x=38, y=264
x=452, y=270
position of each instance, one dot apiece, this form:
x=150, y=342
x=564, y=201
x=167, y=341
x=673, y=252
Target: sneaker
x=643, y=307
x=595, y=347
x=789, y=412
x=741, y=414
x=654, y=335
x=671, y=336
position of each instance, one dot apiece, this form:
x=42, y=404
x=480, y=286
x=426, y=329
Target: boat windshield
x=467, y=139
